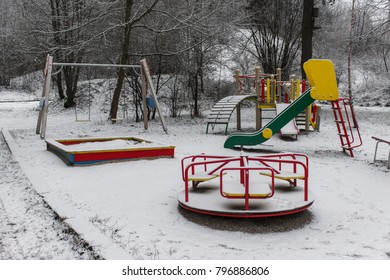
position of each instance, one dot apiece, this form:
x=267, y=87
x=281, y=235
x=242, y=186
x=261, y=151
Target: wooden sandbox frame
x=65, y=149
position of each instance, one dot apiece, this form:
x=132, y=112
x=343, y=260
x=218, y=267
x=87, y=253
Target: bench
x=255, y=190
x=381, y=140
x=201, y=177
x=285, y=175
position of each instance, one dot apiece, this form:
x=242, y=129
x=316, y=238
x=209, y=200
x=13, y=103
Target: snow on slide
x=291, y=127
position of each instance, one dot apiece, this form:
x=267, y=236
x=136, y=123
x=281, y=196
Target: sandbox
x=87, y=151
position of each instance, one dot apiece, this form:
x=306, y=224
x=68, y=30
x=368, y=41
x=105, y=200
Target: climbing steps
x=301, y=119
x=223, y=109
x=347, y=126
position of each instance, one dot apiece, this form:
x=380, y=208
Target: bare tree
x=350, y=48
x=307, y=33
x=134, y=12
x=205, y=29
x=381, y=30
x=5, y=43
x=182, y=39
x=74, y=32
x=65, y=29
x=276, y=33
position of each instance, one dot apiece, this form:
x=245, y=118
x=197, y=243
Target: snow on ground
x=12, y=96
x=134, y=203
x=29, y=229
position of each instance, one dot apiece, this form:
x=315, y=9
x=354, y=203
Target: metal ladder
x=347, y=126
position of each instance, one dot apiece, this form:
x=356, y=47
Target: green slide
x=258, y=137
x=322, y=78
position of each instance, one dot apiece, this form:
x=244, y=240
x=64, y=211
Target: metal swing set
x=146, y=83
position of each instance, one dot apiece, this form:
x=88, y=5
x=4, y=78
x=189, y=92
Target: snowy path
x=28, y=227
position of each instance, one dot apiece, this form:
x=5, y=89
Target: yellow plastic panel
x=322, y=78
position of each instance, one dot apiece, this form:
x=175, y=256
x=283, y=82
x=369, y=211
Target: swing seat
x=150, y=102
x=83, y=120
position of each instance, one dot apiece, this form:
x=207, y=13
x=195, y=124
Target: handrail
x=292, y=155
x=194, y=157
x=305, y=171
x=345, y=100
x=193, y=164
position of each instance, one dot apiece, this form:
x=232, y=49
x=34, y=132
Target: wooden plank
x=222, y=112
x=221, y=109
x=218, y=121
x=202, y=177
x=231, y=105
x=219, y=115
x=227, y=102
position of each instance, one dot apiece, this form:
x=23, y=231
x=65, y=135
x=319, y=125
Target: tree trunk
x=128, y=23
x=59, y=86
x=71, y=76
x=124, y=60
x=196, y=95
x=66, y=16
x=307, y=33
x=350, y=48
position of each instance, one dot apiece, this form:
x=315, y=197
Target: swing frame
x=145, y=79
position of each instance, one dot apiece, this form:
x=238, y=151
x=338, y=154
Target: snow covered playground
x=141, y=208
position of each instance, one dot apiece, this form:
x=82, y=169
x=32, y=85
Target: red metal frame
x=265, y=161
x=342, y=120
x=262, y=90
x=204, y=162
x=248, y=214
x=216, y=159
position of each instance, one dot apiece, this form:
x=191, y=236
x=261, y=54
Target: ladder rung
x=338, y=121
x=343, y=135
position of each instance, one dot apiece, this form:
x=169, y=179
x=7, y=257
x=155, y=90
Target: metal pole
x=258, y=98
x=149, y=79
x=144, y=105
x=96, y=65
x=279, y=85
x=48, y=69
x=238, y=108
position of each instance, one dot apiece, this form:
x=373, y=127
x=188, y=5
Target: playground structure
x=270, y=91
x=88, y=151
x=246, y=186
x=291, y=127
x=146, y=82
x=322, y=79
x=267, y=185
